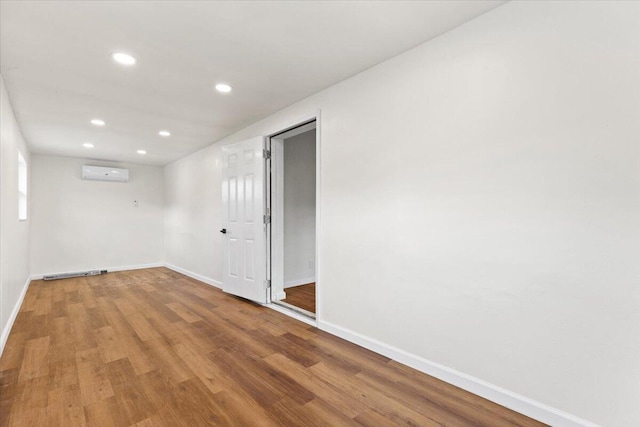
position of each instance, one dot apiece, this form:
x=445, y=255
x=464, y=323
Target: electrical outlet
x=135, y=203
x=310, y=263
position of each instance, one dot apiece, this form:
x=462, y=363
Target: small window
x=22, y=188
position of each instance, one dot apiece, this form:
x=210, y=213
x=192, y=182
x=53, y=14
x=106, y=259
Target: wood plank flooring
x=156, y=348
x=303, y=296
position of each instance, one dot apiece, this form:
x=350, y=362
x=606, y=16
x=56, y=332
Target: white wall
x=79, y=225
x=480, y=203
x=299, y=209
x=193, y=216
x=14, y=243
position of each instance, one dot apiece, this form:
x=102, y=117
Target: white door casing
x=244, y=266
x=278, y=292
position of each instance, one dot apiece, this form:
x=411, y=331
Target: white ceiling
x=55, y=60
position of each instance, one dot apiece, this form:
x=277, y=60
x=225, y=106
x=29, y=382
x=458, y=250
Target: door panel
x=243, y=207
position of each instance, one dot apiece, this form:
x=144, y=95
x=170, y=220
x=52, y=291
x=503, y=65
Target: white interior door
x=244, y=267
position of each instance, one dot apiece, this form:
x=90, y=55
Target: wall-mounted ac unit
x=101, y=173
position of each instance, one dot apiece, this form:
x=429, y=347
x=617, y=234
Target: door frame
x=275, y=231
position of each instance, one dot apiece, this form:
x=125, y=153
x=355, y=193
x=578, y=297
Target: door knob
x=223, y=231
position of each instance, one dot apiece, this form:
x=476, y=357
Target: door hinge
x=267, y=284
x=266, y=154
x=266, y=219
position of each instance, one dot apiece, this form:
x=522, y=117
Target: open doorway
x=292, y=203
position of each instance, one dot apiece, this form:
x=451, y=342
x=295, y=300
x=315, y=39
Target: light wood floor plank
x=34, y=361
x=156, y=348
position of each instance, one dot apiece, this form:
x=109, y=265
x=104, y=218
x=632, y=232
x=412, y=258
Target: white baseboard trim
x=12, y=317
x=281, y=295
x=499, y=395
x=109, y=269
x=298, y=282
x=207, y=280
x=135, y=267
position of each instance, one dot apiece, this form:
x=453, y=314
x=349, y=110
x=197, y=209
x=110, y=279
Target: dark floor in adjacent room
x=303, y=296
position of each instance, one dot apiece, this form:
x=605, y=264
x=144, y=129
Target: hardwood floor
x=156, y=348
x=303, y=296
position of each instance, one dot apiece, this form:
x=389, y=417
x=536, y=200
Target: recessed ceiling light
x=123, y=58
x=142, y=152
x=98, y=122
x=87, y=145
x=164, y=133
x=223, y=87
x=115, y=172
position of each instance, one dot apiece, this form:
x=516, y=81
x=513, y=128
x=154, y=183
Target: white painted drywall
x=79, y=225
x=193, y=215
x=480, y=203
x=14, y=241
x=300, y=209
